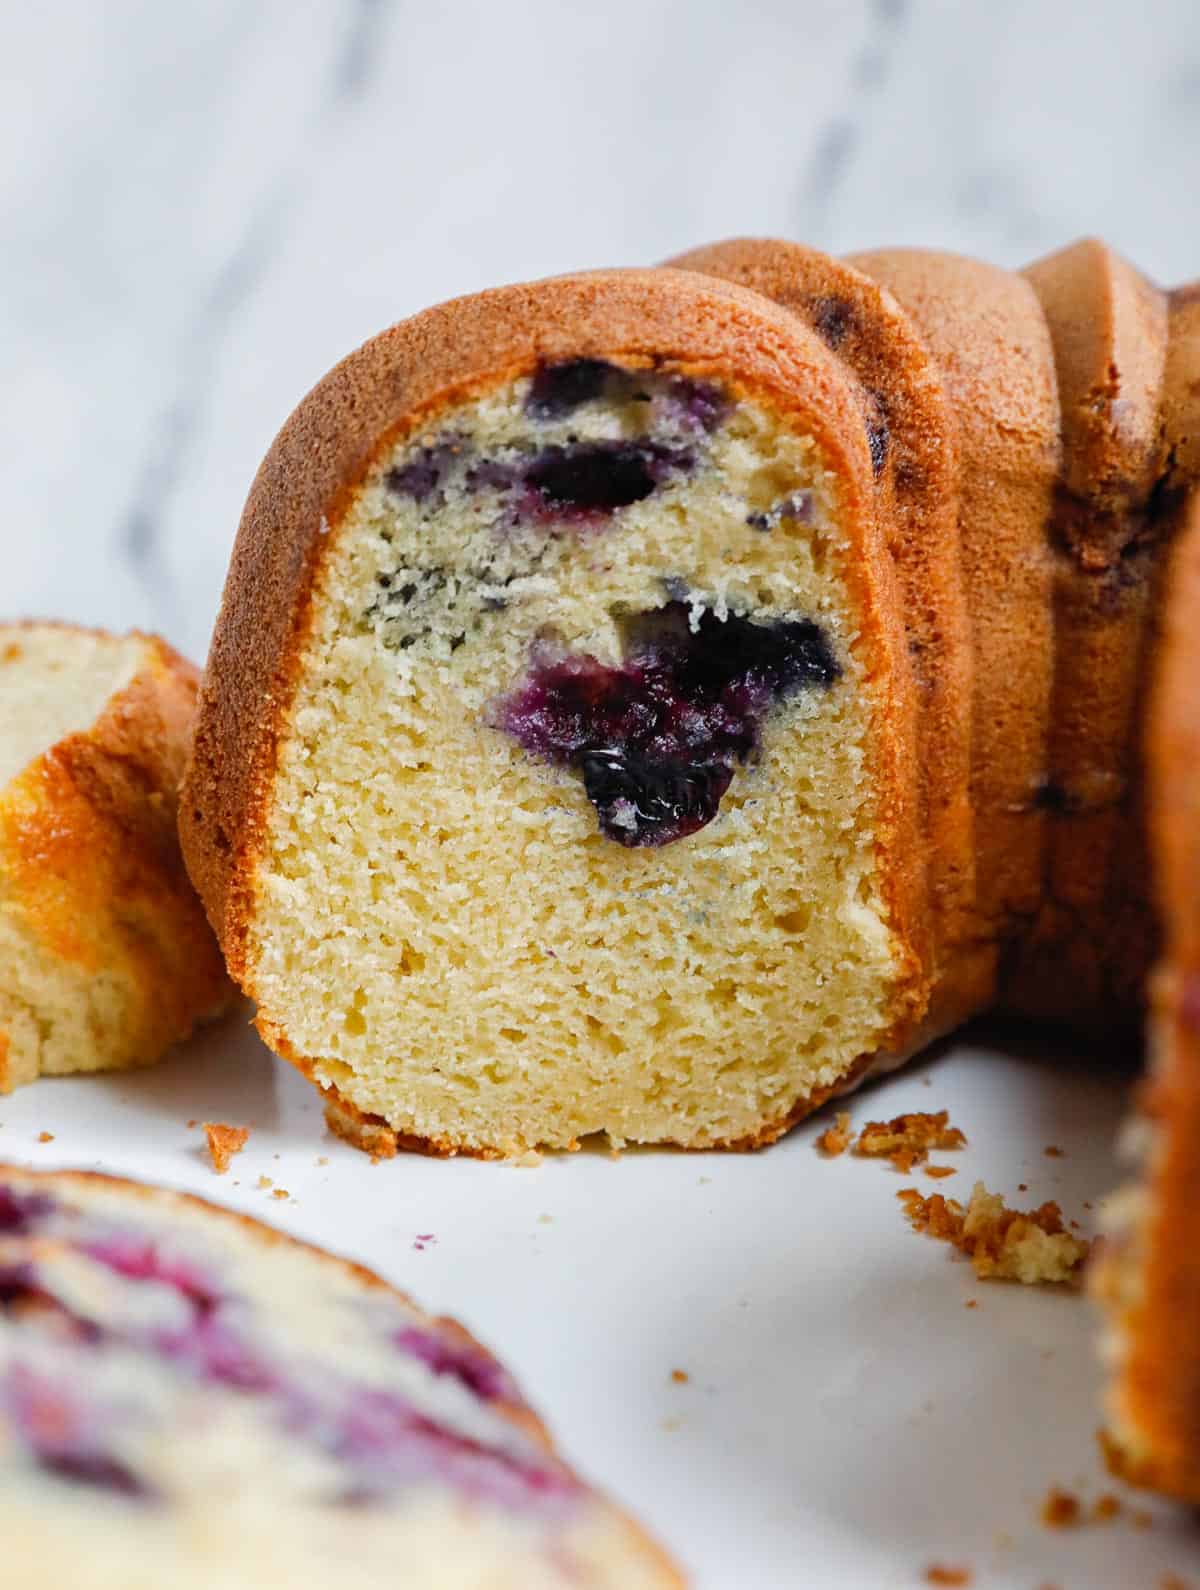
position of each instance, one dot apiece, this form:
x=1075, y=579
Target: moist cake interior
x=572, y=823
x=54, y=681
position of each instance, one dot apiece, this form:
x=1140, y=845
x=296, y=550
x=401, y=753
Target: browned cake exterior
x=999, y=443
x=109, y=957
x=1085, y=956
x=985, y=329
x=1150, y=1279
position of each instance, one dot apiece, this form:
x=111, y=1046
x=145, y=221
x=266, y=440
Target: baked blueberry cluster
x=657, y=738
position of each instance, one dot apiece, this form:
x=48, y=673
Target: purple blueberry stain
x=799, y=508
x=656, y=738
x=139, y=1260
x=384, y=1441
x=878, y=432
x=585, y=481
x=558, y=389
x=19, y=1212
x=470, y=1366
x=99, y=1470
x=424, y=476
x=64, y=1436
x=694, y=405
x=831, y=319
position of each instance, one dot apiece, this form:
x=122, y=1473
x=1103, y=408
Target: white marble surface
x=205, y=203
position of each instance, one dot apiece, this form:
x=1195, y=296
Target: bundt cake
x=105, y=954
x=1149, y=1276
x=189, y=1398
x=557, y=767
x=645, y=702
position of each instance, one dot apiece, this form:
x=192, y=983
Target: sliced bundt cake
x=189, y=1398
x=645, y=702
x=557, y=764
x=105, y=955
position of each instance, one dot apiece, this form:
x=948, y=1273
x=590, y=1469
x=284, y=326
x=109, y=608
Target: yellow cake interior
x=440, y=927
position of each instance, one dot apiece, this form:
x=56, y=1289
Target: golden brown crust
x=519, y=1414
x=1156, y=1396
x=88, y=834
x=1109, y=330
x=985, y=328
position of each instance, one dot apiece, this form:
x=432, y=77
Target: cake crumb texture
x=105, y=955
x=223, y=1143
x=1003, y=1244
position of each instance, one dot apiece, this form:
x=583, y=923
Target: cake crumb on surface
x=1060, y=1509
x=1032, y=1246
x=1052, y=1151
x=938, y=1171
x=680, y=1377
x=939, y=1573
x=280, y=1192
x=223, y=1143
x=264, y=1182
x=1106, y=1507
x=835, y=1139
x=45, y=1137
x=907, y=1139
x=529, y=1159
x=1172, y=1581
x=972, y=1302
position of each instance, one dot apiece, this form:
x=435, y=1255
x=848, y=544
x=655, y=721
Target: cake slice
x=1149, y=1279
x=105, y=955
x=189, y=1398
x=555, y=770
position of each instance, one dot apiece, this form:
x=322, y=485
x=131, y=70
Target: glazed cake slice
x=555, y=767
x=105, y=955
x=189, y=1398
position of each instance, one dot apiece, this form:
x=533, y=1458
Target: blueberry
x=695, y=405
x=878, y=434
x=592, y=478
x=642, y=802
x=796, y=509
x=656, y=739
x=558, y=389
x=426, y=473
x=831, y=319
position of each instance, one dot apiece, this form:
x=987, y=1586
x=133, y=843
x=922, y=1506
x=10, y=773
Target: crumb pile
x=906, y=1140
x=1033, y=1247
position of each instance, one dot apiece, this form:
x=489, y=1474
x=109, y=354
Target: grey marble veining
x=205, y=204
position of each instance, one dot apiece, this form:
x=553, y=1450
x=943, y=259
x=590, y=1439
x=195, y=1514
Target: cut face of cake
x=584, y=809
x=105, y=956
x=189, y=1398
